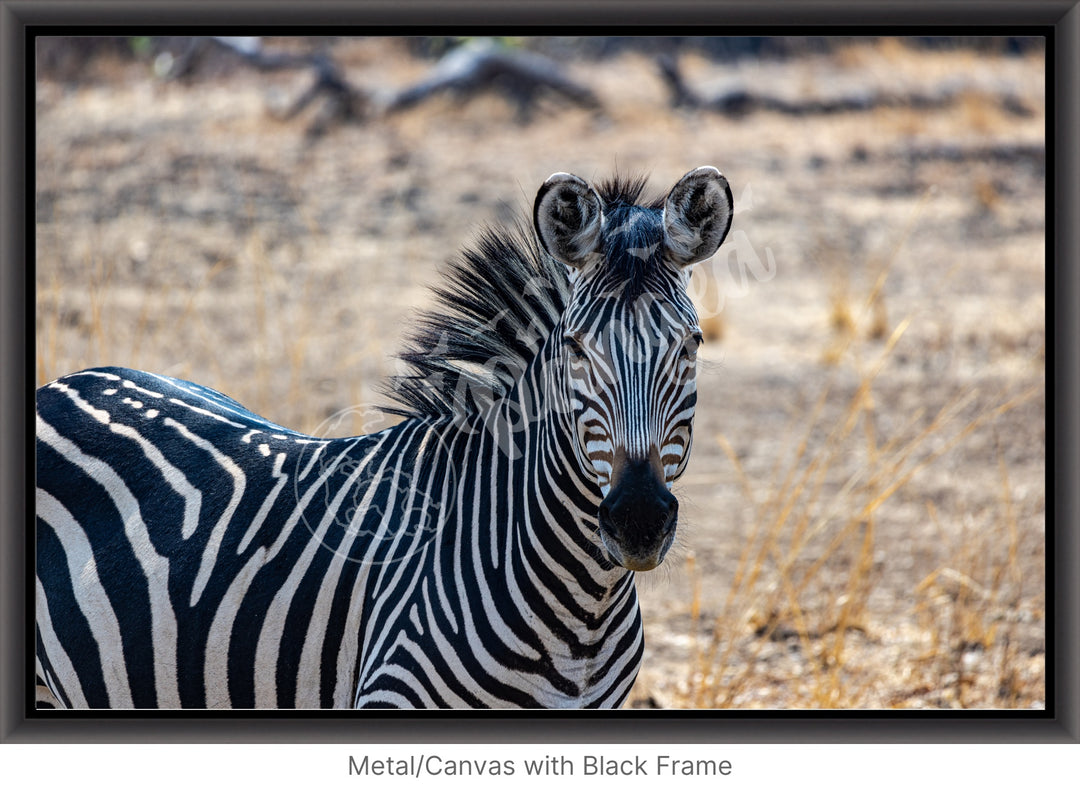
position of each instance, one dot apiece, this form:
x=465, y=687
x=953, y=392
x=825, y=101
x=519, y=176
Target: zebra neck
x=558, y=500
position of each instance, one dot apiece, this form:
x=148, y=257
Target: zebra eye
x=690, y=346
x=574, y=348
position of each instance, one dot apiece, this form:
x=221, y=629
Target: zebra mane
x=497, y=303
x=620, y=190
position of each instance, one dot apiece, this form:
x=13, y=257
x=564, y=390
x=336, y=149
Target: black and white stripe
x=477, y=554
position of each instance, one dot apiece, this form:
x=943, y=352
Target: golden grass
x=796, y=625
x=820, y=507
x=175, y=328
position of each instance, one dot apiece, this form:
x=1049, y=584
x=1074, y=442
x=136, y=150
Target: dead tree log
x=482, y=64
x=739, y=100
x=477, y=65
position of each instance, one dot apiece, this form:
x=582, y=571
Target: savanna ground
x=863, y=517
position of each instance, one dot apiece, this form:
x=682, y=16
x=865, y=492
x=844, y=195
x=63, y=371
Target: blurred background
x=863, y=517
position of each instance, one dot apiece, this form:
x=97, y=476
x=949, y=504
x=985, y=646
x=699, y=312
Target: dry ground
x=864, y=512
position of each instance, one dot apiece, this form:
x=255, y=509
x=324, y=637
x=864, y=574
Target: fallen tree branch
x=481, y=64
x=740, y=101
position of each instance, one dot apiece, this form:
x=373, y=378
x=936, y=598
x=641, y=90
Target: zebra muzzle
x=637, y=518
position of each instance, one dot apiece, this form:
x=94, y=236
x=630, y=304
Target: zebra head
x=628, y=341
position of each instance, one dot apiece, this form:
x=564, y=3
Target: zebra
x=479, y=553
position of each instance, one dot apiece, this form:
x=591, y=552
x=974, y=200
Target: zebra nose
x=637, y=519
x=640, y=513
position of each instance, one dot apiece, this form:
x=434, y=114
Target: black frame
x=1058, y=20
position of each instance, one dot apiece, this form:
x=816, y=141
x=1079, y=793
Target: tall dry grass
x=175, y=325
x=798, y=627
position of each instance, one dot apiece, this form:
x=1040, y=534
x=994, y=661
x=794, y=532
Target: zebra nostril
x=672, y=519
x=604, y=517
x=672, y=511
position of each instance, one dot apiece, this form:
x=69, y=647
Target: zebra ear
x=697, y=216
x=568, y=218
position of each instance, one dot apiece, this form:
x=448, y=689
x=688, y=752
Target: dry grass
x=820, y=509
x=175, y=327
x=794, y=629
